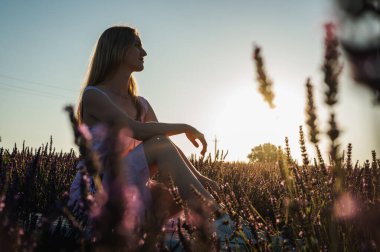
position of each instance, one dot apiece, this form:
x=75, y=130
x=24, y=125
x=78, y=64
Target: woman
x=109, y=96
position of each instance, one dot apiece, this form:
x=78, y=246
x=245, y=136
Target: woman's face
x=135, y=56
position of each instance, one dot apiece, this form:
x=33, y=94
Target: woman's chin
x=139, y=68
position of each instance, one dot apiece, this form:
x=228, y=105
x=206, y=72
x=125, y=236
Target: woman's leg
x=204, y=180
x=163, y=204
x=162, y=154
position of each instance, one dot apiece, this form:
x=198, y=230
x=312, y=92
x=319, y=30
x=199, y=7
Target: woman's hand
x=193, y=134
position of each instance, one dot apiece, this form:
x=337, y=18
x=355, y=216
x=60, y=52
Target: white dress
x=134, y=163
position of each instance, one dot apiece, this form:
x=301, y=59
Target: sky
x=198, y=70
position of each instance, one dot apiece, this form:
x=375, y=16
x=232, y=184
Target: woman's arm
x=151, y=117
x=99, y=106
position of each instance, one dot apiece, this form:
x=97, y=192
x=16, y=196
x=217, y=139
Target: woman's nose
x=144, y=52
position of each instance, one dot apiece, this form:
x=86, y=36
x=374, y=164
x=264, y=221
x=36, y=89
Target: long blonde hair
x=110, y=52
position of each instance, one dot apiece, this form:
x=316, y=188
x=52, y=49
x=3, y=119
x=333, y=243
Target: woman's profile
x=109, y=96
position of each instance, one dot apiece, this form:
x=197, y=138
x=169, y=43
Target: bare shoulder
x=143, y=99
x=149, y=112
x=144, y=102
x=93, y=96
x=96, y=103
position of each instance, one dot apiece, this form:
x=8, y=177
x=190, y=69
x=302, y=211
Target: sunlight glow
x=245, y=120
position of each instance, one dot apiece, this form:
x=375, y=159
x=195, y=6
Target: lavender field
x=296, y=206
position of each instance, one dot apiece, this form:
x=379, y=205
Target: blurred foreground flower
x=83, y=129
x=345, y=207
x=359, y=34
x=265, y=84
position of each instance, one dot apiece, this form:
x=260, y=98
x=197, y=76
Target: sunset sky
x=198, y=70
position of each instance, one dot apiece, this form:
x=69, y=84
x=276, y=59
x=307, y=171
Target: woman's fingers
x=192, y=139
x=193, y=136
x=195, y=143
x=204, y=145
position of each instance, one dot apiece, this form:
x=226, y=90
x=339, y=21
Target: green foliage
x=263, y=153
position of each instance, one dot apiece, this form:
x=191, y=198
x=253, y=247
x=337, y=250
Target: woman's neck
x=118, y=82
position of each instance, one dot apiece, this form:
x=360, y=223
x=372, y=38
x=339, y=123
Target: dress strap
x=93, y=87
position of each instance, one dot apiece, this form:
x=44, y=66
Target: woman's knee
x=155, y=146
x=157, y=142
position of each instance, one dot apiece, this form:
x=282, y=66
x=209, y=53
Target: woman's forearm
x=144, y=131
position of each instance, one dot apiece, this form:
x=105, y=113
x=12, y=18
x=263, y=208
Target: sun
x=245, y=120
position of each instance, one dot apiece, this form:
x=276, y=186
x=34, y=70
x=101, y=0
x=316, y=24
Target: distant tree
x=263, y=153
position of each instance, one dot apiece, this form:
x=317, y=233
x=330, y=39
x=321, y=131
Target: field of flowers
x=287, y=206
